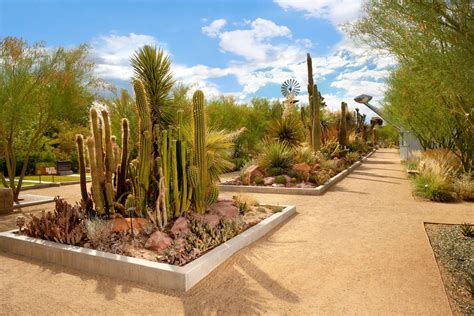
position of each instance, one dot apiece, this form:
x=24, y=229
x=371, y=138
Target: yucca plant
x=275, y=155
x=152, y=67
x=288, y=131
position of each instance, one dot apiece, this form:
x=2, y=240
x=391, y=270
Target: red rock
x=180, y=226
x=251, y=172
x=118, y=225
x=210, y=219
x=158, y=241
x=225, y=209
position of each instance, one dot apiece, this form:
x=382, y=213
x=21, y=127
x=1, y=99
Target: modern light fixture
x=364, y=99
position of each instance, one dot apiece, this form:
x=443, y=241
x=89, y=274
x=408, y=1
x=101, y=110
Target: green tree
x=36, y=87
x=430, y=92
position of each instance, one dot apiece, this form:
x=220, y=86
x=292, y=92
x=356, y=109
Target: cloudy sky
x=242, y=48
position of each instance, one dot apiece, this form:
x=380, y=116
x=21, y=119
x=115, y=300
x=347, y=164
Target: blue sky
x=241, y=48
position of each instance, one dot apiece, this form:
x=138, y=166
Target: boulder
x=251, y=172
x=225, y=209
x=303, y=170
x=268, y=180
x=210, y=219
x=118, y=225
x=180, y=226
x=158, y=241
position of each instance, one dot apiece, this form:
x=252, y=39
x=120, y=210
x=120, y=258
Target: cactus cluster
x=162, y=182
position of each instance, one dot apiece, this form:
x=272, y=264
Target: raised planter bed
x=180, y=278
x=295, y=191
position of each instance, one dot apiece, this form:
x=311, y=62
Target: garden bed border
x=295, y=191
x=140, y=270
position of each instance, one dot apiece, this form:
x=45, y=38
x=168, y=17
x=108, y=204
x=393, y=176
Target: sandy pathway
x=359, y=249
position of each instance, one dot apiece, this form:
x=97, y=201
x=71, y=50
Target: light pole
x=364, y=99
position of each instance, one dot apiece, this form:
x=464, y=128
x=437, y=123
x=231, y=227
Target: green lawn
x=24, y=184
x=49, y=178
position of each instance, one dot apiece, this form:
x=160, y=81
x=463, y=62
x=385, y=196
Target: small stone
x=269, y=180
x=211, y=219
x=180, y=226
x=158, y=241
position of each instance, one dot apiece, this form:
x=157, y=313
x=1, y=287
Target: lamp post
x=364, y=99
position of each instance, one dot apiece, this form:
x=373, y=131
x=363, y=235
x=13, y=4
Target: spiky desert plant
x=199, y=145
x=109, y=160
x=82, y=166
x=342, y=136
x=314, y=107
x=287, y=130
x=152, y=67
x=145, y=145
x=275, y=155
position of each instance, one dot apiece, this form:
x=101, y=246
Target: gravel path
x=361, y=248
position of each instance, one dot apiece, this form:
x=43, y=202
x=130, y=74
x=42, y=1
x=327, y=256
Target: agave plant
x=153, y=68
x=288, y=131
x=275, y=155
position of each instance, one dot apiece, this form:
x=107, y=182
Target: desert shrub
x=412, y=165
x=470, y=282
x=275, y=155
x=432, y=186
x=280, y=180
x=464, y=187
x=331, y=149
x=292, y=173
x=288, y=131
x=97, y=232
x=467, y=230
x=258, y=180
x=328, y=164
x=352, y=157
x=305, y=154
x=313, y=179
x=358, y=145
x=324, y=175
x=441, y=162
x=244, y=202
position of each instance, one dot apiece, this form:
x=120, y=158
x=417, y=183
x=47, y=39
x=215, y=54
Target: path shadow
x=368, y=174
x=352, y=177
x=379, y=162
x=340, y=189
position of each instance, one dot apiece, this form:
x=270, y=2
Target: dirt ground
x=361, y=248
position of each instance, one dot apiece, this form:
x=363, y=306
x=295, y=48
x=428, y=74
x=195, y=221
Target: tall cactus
x=82, y=166
x=314, y=105
x=122, y=169
x=145, y=145
x=97, y=135
x=96, y=185
x=342, y=135
x=109, y=161
x=199, y=134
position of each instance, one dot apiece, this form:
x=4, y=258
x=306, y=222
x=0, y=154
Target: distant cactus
x=342, y=136
x=96, y=186
x=314, y=108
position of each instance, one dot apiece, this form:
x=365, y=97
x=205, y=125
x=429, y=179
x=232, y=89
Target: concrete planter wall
x=139, y=270
x=295, y=191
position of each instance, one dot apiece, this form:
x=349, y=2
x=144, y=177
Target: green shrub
x=275, y=171
x=275, y=155
x=467, y=230
x=412, y=165
x=358, y=145
x=433, y=187
x=292, y=173
x=258, y=180
x=313, y=179
x=328, y=164
x=305, y=154
x=280, y=180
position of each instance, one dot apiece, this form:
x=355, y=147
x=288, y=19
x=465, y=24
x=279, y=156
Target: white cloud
x=337, y=12
x=214, y=28
x=112, y=53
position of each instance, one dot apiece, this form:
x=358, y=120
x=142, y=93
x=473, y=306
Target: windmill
x=290, y=89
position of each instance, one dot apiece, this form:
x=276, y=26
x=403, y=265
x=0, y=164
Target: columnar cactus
x=199, y=134
x=342, y=125
x=97, y=135
x=82, y=166
x=145, y=145
x=96, y=186
x=122, y=167
x=314, y=105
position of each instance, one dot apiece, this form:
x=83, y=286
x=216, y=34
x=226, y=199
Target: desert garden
x=199, y=204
